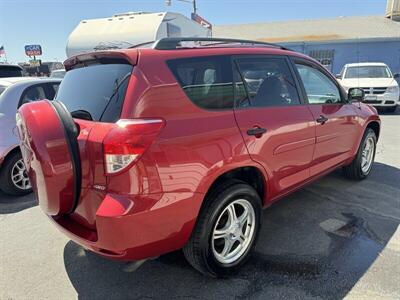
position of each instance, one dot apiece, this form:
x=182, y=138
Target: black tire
x=391, y=109
x=198, y=251
x=6, y=183
x=354, y=170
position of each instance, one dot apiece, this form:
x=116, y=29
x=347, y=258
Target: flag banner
x=201, y=21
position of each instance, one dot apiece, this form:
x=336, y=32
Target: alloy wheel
x=233, y=231
x=367, y=155
x=19, y=175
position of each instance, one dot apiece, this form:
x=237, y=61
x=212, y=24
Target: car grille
x=374, y=90
x=372, y=101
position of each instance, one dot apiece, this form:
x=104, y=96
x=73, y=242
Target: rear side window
x=33, y=93
x=267, y=81
x=207, y=81
x=95, y=92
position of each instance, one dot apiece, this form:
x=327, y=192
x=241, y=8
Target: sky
x=49, y=22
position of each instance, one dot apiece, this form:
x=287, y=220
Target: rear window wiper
x=118, y=84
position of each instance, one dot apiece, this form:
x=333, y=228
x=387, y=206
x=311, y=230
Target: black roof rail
x=173, y=43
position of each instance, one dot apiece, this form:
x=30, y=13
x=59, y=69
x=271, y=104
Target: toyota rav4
x=181, y=143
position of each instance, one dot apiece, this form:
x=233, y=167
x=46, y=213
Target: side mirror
x=397, y=75
x=356, y=95
x=338, y=76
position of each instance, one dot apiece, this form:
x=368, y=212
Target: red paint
x=47, y=158
x=150, y=207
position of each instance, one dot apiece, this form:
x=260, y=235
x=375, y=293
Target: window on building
x=268, y=82
x=173, y=30
x=325, y=57
x=207, y=81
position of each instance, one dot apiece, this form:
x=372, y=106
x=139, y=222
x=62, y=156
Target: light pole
x=169, y=2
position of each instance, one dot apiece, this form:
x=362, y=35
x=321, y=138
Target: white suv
x=377, y=81
x=15, y=91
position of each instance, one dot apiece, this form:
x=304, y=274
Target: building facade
x=334, y=42
x=335, y=54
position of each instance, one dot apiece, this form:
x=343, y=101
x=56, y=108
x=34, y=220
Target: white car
x=60, y=73
x=7, y=70
x=14, y=92
x=379, y=84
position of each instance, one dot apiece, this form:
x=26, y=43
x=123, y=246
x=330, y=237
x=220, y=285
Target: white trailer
x=128, y=29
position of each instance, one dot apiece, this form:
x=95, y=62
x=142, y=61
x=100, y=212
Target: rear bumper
x=137, y=227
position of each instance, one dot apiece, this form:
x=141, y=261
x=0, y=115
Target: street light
x=169, y=2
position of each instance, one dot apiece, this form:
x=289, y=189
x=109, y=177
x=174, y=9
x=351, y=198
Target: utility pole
x=193, y=2
x=393, y=9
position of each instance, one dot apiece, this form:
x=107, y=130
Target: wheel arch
x=376, y=127
x=10, y=152
x=251, y=175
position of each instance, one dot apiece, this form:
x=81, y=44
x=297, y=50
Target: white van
x=377, y=81
x=129, y=29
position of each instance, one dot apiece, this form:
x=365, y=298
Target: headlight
x=392, y=89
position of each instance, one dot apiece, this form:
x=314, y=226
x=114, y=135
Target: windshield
x=58, y=74
x=2, y=88
x=368, y=72
x=95, y=92
x=10, y=71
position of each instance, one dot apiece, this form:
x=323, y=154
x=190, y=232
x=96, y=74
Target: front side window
x=267, y=81
x=368, y=72
x=207, y=81
x=319, y=88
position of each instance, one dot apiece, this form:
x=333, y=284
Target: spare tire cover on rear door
x=50, y=150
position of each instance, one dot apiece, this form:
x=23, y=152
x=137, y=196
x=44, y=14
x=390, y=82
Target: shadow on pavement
x=10, y=204
x=316, y=243
x=383, y=111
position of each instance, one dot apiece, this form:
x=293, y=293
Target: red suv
x=181, y=143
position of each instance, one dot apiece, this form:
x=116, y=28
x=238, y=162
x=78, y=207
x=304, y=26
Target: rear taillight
x=127, y=141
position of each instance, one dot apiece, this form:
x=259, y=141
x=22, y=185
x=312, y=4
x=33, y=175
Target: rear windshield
x=95, y=92
x=10, y=71
x=368, y=72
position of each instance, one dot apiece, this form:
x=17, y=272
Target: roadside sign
x=35, y=62
x=33, y=50
x=203, y=22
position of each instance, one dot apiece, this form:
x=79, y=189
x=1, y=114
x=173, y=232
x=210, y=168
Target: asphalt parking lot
x=333, y=239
